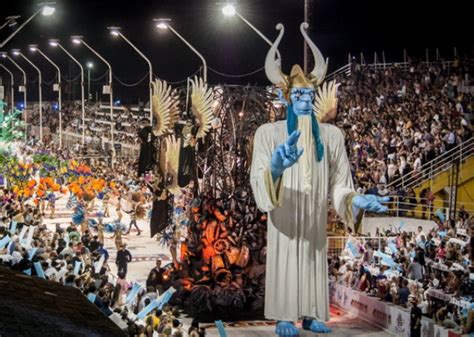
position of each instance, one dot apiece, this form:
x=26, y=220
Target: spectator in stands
x=403, y=293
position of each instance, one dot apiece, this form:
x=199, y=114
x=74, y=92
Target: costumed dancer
x=105, y=204
x=118, y=236
x=138, y=211
x=296, y=165
x=79, y=217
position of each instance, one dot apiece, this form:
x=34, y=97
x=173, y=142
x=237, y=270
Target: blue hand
x=369, y=202
x=285, y=155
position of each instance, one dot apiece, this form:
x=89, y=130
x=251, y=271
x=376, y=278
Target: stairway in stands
x=450, y=177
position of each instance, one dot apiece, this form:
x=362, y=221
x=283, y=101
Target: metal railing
x=419, y=208
x=101, y=144
x=440, y=164
x=342, y=71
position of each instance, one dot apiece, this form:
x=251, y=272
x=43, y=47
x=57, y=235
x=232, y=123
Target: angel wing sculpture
x=201, y=97
x=325, y=102
x=169, y=162
x=165, y=105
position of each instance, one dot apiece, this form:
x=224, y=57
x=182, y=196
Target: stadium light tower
x=55, y=43
x=79, y=40
x=164, y=23
x=45, y=8
x=17, y=52
x=12, y=86
x=57, y=87
x=115, y=31
x=5, y=55
x=10, y=21
x=229, y=10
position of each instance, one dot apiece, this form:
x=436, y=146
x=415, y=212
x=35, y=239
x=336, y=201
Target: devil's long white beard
x=307, y=158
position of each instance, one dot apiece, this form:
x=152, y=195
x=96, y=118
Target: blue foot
x=286, y=329
x=315, y=326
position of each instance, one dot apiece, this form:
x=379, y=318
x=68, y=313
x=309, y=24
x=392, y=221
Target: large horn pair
x=320, y=67
x=273, y=63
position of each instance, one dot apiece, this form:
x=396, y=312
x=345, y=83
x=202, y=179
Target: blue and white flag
x=29, y=237
x=3, y=242
x=98, y=265
x=13, y=227
x=133, y=293
x=352, y=249
x=393, y=247
x=39, y=269
x=158, y=303
x=32, y=253
x=22, y=233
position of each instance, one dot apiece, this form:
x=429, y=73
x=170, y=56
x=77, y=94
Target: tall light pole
x=46, y=9
x=230, y=10
x=165, y=24
x=40, y=92
x=55, y=43
x=89, y=66
x=5, y=56
x=12, y=87
x=10, y=21
x=80, y=40
x=115, y=31
x=34, y=48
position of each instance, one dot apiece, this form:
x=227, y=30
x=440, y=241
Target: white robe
x=296, y=267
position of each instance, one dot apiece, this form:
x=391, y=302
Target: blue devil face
x=302, y=100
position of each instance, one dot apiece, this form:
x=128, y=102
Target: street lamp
x=115, y=31
x=55, y=43
x=229, y=10
x=40, y=92
x=11, y=21
x=165, y=24
x=4, y=55
x=12, y=87
x=57, y=87
x=89, y=66
x=80, y=40
x=46, y=9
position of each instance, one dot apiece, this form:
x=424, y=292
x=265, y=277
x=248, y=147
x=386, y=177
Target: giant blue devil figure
x=297, y=166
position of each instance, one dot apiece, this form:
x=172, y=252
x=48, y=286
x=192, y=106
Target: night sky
x=229, y=45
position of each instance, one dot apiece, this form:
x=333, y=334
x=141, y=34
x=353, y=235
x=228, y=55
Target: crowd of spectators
x=430, y=269
x=397, y=119
x=77, y=256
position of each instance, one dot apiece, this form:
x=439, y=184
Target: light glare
x=48, y=10
x=228, y=10
x=162, y=25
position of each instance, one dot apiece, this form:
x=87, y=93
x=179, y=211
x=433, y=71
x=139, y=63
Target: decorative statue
x=297, y=165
